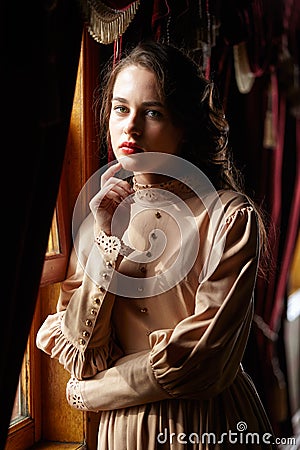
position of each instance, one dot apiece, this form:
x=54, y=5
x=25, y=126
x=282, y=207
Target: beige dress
x=164, y=368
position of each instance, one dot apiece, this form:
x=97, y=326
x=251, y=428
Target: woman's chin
x=144, y=162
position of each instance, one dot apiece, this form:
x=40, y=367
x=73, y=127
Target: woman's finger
x=110, y=172
x=116, y=189
x=118, y=184
x=122, y=188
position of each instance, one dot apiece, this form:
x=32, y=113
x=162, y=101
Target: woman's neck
x=151, y=178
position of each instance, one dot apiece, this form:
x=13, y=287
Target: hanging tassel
x=117, y=50
x=270, y=124
x=268, y=141
x=243, y=75
x=105, y=24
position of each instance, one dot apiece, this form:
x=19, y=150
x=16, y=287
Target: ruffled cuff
x=52, y=341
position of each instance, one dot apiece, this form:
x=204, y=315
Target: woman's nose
x=133, y=126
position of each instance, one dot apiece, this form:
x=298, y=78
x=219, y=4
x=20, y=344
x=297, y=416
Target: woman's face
x=139, y=121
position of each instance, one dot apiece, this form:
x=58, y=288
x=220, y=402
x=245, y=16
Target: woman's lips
x=128, y=148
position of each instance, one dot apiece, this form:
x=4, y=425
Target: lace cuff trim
x=73, y=394
x=111, y=247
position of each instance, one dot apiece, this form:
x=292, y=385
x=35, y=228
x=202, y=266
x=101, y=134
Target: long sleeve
x=201, y=356
x=79, y=333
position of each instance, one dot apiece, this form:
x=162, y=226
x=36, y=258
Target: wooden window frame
x=25, y=432
x=54, y=269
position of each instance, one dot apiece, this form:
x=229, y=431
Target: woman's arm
x=79, y=333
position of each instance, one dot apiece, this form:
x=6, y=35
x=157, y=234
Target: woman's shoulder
x=233, y=200
x=224, y=201
x=237, y=205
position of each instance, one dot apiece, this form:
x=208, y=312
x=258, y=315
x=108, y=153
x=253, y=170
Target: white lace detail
x=163, y=191
x=73, y=394
x=111, y=246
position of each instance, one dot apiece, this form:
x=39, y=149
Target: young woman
x=154, y=316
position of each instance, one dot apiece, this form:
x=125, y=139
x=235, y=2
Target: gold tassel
x=269, y=138
x=105, y=24
x=243, y=75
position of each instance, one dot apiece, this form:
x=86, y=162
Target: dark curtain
x=40, y=51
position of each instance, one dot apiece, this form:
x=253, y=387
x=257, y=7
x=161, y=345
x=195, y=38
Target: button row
x=93, y=311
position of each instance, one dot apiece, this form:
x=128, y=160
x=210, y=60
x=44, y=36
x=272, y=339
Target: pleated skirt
x=234, y=419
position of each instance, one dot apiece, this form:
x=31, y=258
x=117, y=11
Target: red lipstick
x=129, y=148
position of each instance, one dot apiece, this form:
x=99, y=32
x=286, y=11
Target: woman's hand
x=104, y=204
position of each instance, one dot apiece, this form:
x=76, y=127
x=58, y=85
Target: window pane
x=17, y=410
x=20, y=409
x=54, y=247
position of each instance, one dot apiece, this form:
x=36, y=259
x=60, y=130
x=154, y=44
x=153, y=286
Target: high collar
x=158, y=190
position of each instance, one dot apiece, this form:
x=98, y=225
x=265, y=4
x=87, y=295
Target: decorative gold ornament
x=106, y=24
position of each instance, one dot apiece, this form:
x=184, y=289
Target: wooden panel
x=92, y=424
x=295, y=269
x=82, y=158
x=17, y=440
x=60, y=422
x=58, y=446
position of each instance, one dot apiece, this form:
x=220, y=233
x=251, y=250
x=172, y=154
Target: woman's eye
x=154, y=114
x=120, y=109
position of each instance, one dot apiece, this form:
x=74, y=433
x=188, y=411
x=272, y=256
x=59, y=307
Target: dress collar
x=159, y=191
